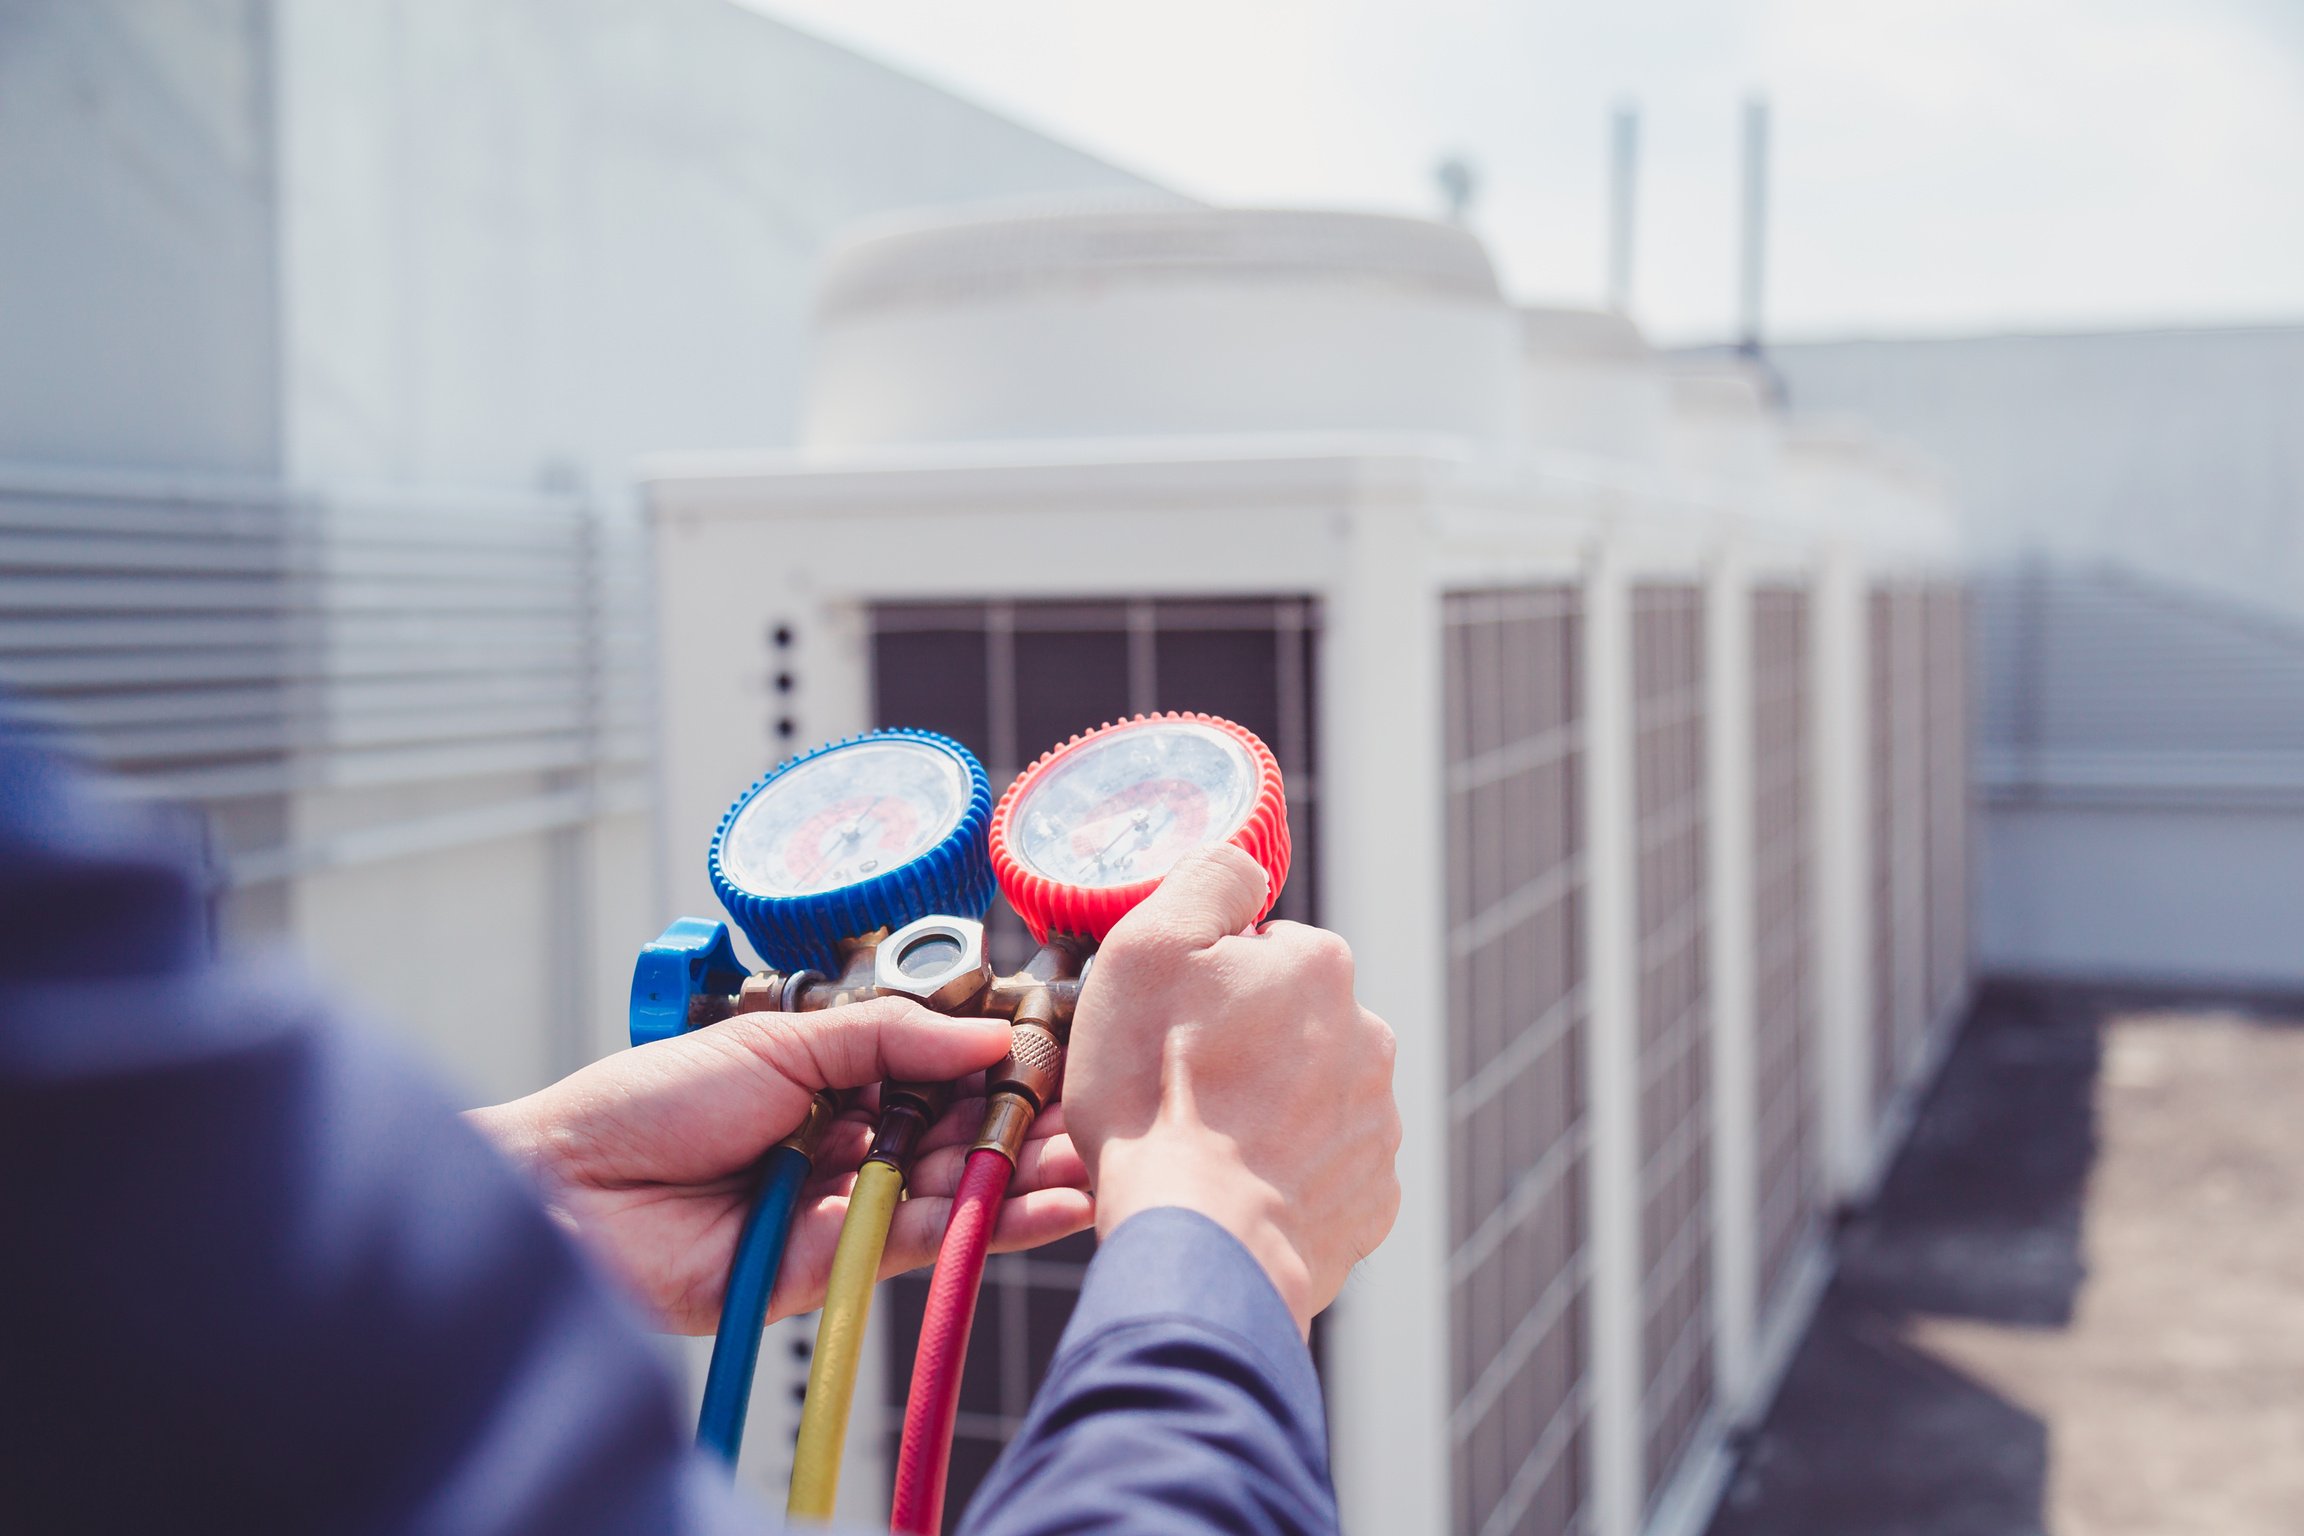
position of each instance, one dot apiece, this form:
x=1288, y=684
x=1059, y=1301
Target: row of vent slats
x=203, y=641
x=2099, y=662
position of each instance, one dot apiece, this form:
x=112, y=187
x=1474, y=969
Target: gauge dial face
x=844, y=817
x=1126, y=805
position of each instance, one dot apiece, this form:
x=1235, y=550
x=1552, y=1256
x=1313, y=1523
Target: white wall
x=2137, y=502
x=136, y=235
x=2179, y=454
x=2146, y=893
x=533, y=238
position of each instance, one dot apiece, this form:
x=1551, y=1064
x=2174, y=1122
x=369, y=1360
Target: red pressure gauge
x=1086, y=832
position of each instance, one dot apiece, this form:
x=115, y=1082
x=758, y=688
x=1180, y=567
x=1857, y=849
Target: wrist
x=508, y=1129
x=1203, y=1172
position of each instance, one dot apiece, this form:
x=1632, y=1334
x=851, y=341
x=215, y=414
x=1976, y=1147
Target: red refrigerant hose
x=1026, y=1083
x=934, y=1404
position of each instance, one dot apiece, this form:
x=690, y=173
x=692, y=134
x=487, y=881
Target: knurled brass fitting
x=1035, y=1063
x=822, y=1108
x=1028, y=1080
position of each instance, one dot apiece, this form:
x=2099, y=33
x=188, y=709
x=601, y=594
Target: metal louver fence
x=2108, y=687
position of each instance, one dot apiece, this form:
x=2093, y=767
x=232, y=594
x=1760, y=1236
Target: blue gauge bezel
x=954, y=877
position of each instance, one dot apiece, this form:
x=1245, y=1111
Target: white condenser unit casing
x=1567, y=662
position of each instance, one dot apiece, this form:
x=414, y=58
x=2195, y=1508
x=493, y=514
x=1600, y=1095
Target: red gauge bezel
x=1049, y=907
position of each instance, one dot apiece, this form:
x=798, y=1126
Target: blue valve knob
x=692, y=958
x=867, y=833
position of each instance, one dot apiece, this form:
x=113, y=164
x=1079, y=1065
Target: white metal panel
x=1611, y=839
x=1733, y=955
x=1841, y=661
x=1382, y=834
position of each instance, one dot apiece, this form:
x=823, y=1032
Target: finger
x=957, y=1126
x=838, y=1152
x=1041, y=1217
x=1211, y=894
x=962, y=1122
x=1047, y=1199
x=1312, y=956
x=1052, y=1164
x=861, y=1043
x=1025, y=1221
x=1047, y=1161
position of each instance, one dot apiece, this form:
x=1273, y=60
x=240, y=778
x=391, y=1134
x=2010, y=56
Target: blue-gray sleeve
x=256, y=1275
x=1181, y=1399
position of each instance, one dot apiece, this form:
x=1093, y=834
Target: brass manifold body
x=939, y=963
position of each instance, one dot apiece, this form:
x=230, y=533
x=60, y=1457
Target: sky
x=1939, y=166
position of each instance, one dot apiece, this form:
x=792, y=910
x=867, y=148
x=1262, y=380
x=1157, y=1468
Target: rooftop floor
x=2077, y=1305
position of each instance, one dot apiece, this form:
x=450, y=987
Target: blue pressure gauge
x=866, y=833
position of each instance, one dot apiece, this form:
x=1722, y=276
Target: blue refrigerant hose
x=744, y=1304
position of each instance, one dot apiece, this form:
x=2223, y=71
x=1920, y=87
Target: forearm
x=1182, y=1398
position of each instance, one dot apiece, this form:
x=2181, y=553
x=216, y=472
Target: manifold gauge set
x=864, y=868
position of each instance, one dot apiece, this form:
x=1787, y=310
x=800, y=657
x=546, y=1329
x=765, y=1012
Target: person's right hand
x=1234, y=1074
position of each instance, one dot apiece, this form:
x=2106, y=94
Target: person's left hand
x=647, y=1155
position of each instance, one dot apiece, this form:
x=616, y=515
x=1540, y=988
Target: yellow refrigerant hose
x=840, y=1340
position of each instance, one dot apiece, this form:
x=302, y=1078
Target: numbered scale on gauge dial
x=864, y=834
x=1087, y=832
x=844, y=816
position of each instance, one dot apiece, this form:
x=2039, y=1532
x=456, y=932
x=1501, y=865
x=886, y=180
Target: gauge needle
x=846, y=835
x=1138, y=823
x=1135, y=820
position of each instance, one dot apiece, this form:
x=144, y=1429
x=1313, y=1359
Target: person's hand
x=647, y=1155
x=1235, y=1075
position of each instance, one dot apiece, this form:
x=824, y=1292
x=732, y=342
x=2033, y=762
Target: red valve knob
x=1088, y=831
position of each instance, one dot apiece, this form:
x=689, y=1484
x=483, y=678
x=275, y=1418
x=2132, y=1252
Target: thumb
x=861, y=1043
x=1210, y=894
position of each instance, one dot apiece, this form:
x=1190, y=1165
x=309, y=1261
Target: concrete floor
x=2077, y=1306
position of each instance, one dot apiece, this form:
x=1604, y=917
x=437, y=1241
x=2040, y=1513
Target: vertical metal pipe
x=1755, y=272
x=1623, y=187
